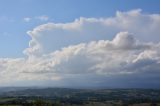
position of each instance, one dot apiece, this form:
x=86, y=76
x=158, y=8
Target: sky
x=80, y=43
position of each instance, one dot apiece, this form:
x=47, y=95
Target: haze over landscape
x=80, y=43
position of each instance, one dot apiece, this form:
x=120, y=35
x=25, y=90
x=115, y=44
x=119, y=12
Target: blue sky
x=80, y=43
x=13, y=28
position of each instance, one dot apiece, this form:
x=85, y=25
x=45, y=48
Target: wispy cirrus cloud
x=27, y=19
x=37, y=18
x=42, y=18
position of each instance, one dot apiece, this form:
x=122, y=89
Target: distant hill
x=8, y=89
x=24, y=95
x=106, y=94
x=48, y=92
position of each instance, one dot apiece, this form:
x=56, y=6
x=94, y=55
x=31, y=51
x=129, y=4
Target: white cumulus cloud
x=49, y=37
x=120, y=51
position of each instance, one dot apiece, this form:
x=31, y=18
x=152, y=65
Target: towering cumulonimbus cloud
x=120, y=51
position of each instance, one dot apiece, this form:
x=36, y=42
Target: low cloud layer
x=120, y=51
